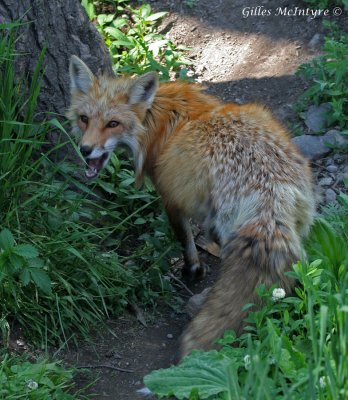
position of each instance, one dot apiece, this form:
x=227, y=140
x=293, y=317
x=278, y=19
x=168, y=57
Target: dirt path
x=238, y=59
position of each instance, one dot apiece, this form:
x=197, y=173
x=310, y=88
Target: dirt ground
x=238, y=59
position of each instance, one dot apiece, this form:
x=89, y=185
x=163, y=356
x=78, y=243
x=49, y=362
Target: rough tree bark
x=64, y=27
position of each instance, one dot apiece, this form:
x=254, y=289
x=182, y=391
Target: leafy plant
x=20, y=262
x=21, y=379
x=328, y=75
x=135, y=45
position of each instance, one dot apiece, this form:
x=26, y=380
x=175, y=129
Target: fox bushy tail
x=252, y=256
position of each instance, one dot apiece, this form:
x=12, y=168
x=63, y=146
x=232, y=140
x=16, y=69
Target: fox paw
x=195, y=272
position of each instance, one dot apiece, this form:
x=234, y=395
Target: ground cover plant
x=295, y=347
x=22, y=379
x=328, y=78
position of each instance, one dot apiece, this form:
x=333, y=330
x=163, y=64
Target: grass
x=71, y=254
x=294, y=348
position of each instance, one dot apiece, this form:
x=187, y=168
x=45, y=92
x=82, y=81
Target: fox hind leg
x=193, y=269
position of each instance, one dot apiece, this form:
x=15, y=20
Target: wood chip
x=211, y=247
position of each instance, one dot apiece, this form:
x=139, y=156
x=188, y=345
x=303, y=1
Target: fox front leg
x=193, y=270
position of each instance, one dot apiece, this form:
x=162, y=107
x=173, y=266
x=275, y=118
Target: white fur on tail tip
x=144, y=392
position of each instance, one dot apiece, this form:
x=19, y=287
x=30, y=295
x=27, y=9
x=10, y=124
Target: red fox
x=231, y=167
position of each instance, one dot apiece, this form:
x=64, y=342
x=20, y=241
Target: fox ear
x=144, y=89
x=81, y=77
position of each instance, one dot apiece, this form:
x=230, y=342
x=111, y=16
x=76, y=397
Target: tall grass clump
x=67, y=260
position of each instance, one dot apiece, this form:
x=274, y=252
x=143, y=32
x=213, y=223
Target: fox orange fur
x=233, y=168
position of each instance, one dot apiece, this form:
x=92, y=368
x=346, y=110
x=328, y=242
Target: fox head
x=108, y=111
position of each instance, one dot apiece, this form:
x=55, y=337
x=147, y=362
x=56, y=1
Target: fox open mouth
x=94, y=165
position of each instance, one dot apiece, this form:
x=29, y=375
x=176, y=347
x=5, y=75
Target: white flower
x=278, y=294
x=247, y=361
x=32, y=385
x=271, y=361
x=322, y=382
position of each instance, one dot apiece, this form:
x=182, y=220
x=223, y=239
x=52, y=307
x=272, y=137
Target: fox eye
x=84, y=119
x=112, y=124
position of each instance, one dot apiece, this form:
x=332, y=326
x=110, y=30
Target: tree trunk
x=64, y=27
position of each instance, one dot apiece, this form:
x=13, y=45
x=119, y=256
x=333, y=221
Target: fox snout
x=86, y=150
x=96, y=158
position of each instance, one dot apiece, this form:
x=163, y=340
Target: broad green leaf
x=36, y=263
x=156, y=16
x=119, y=36
x=203, y=372
x=104, y=18
x=24, y=276
x=145, y=11
x=16, y=261
x=26, y=251
x=120, y=23
x=109, y=188
x=42, y=280
x=139, y=221
x=6, y=239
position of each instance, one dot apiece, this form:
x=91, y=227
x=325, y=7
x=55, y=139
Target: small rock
x=345, y=169
x=130, y=264
x=341, y=141
x=170, y=336
x=330, y=196
x=313, y=147
x=326, y=181
x=332, y=168
x=338, y=158
x=315, y=41
x=342, y=177
x=329, y=161
x=195, y=302
x=316, y=117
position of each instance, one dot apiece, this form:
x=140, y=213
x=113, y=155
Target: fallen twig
x=182, y=284
x=105, y=366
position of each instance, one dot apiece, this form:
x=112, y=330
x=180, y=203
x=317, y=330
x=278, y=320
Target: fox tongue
x=94, y=166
